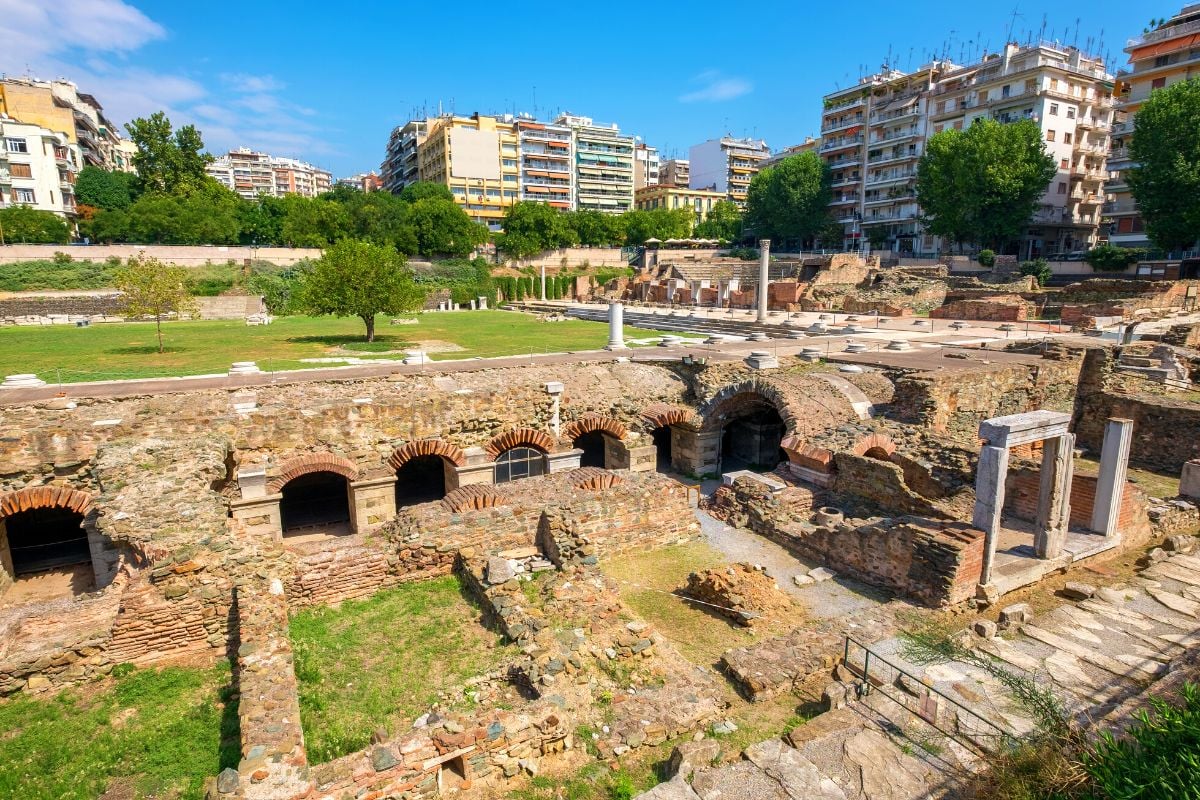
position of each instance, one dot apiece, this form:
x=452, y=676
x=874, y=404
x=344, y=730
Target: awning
x=1162, y=48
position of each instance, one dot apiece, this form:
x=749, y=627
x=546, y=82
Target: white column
x=764, y=247
x=989, y=501
x=543, y=283
x=1110, y=486
x=616, y=320
x=1054, y=496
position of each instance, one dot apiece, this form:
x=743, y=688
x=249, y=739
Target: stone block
x=1078, y=591
x=985, y=628
x=1179, y=543
x=1016, y=614
x=1189, y=479
x=834, y=696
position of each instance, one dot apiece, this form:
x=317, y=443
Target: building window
x=1066, y=137
x=1071, y=113
x=937, y=128
x=1049, y=136
x=16, y=145
x=520, y=462
x=24, y=196
x=1157, y=83
x=1065, y=163
x=510, y=178
x=1004, y=90
x=21, y=171
x=1062, y=187
x=1054, y=109
x=983, y=95
x=941, y=107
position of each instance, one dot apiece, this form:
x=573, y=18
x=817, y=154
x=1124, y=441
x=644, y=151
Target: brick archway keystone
x=521, y=437
x=314, y=462
x=426, y=447
x=45, y=497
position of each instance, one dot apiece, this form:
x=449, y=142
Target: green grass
x=151, y=733
x=130, y=350
x=381, y=662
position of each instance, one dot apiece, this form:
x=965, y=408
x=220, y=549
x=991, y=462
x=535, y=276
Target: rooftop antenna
x=535, y=106
x=1075, y=41
x=1042, y=30
x=1012, y=22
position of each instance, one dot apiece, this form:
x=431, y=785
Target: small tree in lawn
x=359, y=279
x=152, y=288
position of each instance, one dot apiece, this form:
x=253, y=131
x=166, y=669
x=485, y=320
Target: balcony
x=895, y=136
x=1164, y=34
x=5, y=177
x=871, y=162
x=845, y=182
x=841, y=201
x=852, y=161
x=841, y=144
x=845, y=105
x=837, y=125
x=1128, y=206
x=893, y=177
x=900, y=198
x=912, y=111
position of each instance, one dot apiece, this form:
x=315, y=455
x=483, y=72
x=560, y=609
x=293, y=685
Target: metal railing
x=939, y=709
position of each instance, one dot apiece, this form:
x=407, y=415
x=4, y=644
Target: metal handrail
x=966, y=737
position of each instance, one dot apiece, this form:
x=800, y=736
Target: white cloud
x=241, y=82
x=33, y=31
x=716, y=88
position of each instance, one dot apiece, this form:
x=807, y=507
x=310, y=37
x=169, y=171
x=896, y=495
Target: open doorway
x=751, y=437
x=420, y=480
x=316, y=503
x=592, y=445
x=46, y=554
x=662, y=446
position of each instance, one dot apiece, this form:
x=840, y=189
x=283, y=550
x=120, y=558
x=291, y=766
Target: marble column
x=616, y=321
x=1054, y=497
x=1110, y=486
x=989, y=502
x=764, y=259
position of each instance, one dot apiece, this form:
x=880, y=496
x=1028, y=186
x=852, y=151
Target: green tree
x=1107, y=257
x=443, y=228
x=424, y=190
x=791, y=199
x=105, y=189
x=377, y=217
x=261, y=221
x=360, y=279
x=724, y=221
x=658, y=223
x=530, y=228
x=29, y=225
x=208, y=214
x=597, y=229
x=152, y=288
x=312, y=222
x=1166, y=148
x=167, y=161
x=982, y=184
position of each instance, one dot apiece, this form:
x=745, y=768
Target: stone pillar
x=1189, y=480
x=989, y=501
x=372, y=502
x=543, y=283
x=478, y=469
x=695, y=452
x=764, y=260
x=1054, y=497
x=563, y=461
x=555, y=390
x=616, y=322
x=1110, y=486
x=483, y=306
x=259, y=515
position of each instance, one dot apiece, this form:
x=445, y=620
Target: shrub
x=27, y=275
x=986, y=258
x=1038, y=268
x=62, y=259
x=1110, y=258
x=744, y=253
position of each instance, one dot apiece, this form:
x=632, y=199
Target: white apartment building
x=546, y=156
x=603, y=165
x=58, y=105
x=400, y=165
x=727, y=165
x=646, y=166
x=37, y=168
x=250, y=174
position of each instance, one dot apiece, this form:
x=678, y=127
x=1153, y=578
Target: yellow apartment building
x=477, y=159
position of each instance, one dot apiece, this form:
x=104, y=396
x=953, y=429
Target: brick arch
x=593, y=422
x=45, y=497
x=711, y=411
x=472, y=498
x=660, y=415
x=874, y=441
x=426, y=447
x=313, y=462
x=593, y=478
x=520, y=437
x=807, y=455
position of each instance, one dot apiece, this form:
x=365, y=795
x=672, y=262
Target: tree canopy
x=29, y=225
x=657, y=223
x=154, y=289
x=724, y=221
x=104, y=189
x=983, y=184
x=790, y=200
x=167, y=161
x=360, y=279
x=1166, y=148
x=530, y=228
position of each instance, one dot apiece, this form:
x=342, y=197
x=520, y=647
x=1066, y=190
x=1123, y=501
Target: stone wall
x=1021, y=500
x=181, y=255
x=1001, y=308
x=881, y=484
x=93, y=305
x=1183, y=336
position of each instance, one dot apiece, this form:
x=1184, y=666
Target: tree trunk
x=370, y=323
x=158, y=327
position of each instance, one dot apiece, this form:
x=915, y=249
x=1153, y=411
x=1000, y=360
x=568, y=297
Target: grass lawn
x=150, y=733
x=381, y=662
x=130, y=350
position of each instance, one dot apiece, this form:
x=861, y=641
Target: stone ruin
x=742, y=593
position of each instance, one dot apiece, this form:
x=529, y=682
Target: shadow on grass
x=144, y=350
x=342, y=340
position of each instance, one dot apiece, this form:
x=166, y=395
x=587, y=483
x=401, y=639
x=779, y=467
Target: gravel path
x=833, y=598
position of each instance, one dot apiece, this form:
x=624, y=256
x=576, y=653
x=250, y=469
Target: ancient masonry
x=204, y=518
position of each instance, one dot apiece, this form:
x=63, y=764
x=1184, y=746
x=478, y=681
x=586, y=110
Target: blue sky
x=327, y=81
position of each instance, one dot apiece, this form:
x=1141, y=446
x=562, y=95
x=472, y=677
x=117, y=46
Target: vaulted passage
x=420, y=480
x=662, y=444
x=751, y=437
x=42, y=539
x=315, y=503
x=592, y=445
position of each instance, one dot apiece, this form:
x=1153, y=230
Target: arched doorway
x=662, y=445
x=519, y=462
x=752, y=431
x=592, y=445
x=420, y=480
x=42, y=539
x=315, y=503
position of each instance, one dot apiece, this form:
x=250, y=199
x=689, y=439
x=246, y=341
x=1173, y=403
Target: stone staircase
x=1104, y=648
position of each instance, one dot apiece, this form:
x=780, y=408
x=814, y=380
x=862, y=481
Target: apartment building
x=363, y=182
x=698, y=201
x=547, y=161
x=251, y=173
x=603, y=165
x=477, y=158
x=58, y=105
x=675, y=172
x=1168, y=54
x=1070, y=95
x=809, y=145
x=37, y=168
x=399, y=166
x=727, y=165
x=646, y=166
